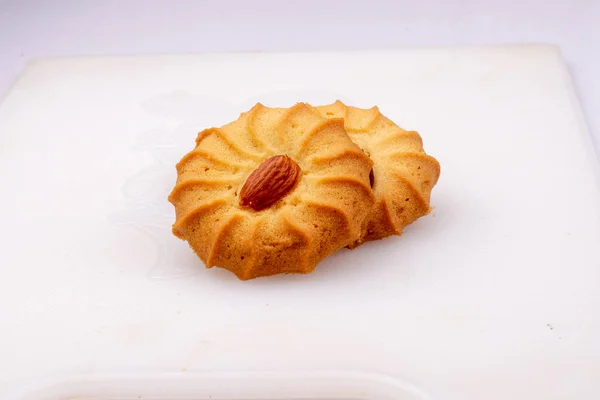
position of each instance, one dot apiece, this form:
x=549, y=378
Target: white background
x=30, y=29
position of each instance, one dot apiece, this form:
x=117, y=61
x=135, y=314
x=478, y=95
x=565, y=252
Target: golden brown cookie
x=403, y=175
x=275, y=191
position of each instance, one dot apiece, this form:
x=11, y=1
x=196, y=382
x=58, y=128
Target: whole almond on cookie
x=270, y=182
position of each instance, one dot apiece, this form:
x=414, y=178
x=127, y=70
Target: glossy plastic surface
x=495, y=295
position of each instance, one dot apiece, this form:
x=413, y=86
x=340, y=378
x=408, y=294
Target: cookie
x=403, y=175
x=275, y=191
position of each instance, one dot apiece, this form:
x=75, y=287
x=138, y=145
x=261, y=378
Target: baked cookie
x=275, y=191
x=403, y=175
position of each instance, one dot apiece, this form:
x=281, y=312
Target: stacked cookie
x=278, y=190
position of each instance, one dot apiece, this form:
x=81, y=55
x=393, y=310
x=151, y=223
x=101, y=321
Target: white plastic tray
x=496, y=295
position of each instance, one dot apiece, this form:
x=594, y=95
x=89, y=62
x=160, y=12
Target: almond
x=270, y=182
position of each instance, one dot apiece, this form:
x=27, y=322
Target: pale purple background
x=30, y=29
